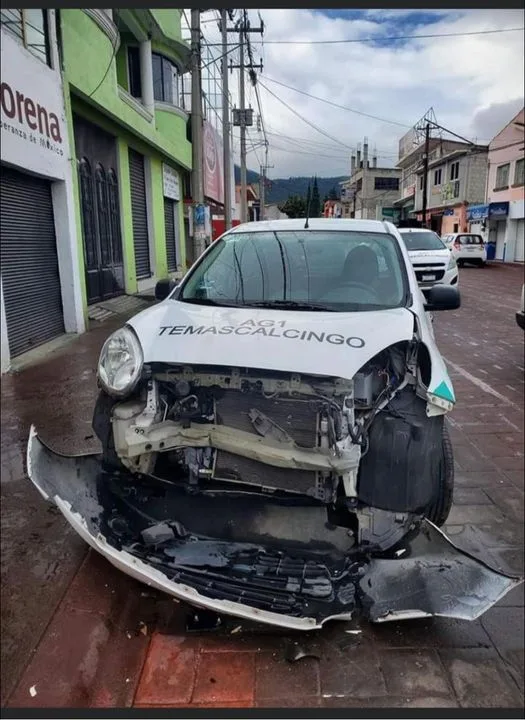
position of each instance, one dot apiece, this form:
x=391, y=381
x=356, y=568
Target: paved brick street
x=83, y=634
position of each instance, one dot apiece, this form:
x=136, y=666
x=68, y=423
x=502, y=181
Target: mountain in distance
x=282, y=188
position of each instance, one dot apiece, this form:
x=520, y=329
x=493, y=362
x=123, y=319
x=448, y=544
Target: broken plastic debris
x=32, y=690
x=128, y=635
x=236, y=630
x=353, y=632
x=400, y=552
x=144, y=628
x=157, y=534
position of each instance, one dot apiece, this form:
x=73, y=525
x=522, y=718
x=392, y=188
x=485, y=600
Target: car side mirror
x=163, y=288
x=442, y=297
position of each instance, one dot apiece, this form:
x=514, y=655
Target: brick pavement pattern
x=113, y=642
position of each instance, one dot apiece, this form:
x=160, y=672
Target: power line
x=330, y=137
x=379, y=38
x=337, y=105
x=320, y=146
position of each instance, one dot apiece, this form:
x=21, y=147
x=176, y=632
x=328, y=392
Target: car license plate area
x=427, y=278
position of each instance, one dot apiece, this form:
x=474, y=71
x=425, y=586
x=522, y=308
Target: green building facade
x=125, y=84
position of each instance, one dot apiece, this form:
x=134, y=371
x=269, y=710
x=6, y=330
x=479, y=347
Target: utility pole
x=242, y=101
x=242, y=117
x=226, y=126
x=425, y=174
x=200, y=235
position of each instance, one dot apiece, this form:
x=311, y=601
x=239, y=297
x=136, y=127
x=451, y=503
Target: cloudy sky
x=475, y=83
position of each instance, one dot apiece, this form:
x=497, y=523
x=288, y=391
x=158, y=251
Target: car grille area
x=255, y=577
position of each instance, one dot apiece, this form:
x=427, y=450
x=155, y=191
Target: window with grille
x=30, y=28
x=454, y=171
x=502, y=176
x=386, y=183
x=437, y=177
x=519, y=172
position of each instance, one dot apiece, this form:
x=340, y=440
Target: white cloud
x=470, y=81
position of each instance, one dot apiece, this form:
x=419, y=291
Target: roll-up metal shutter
x=30, y=276
x=139, y=214
x=171, y=237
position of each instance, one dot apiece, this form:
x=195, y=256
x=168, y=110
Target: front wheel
x=439, y=511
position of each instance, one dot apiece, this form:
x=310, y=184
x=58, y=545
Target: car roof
x=332, y=224
x=409, y=230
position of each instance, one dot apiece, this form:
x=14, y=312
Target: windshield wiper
x=289, y=305
x=205, y=301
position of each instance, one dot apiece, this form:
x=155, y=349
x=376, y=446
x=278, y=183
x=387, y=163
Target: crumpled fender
x=428, y=576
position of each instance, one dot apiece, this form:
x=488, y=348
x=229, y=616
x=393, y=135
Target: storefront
x=498, y=214
x=40, y=289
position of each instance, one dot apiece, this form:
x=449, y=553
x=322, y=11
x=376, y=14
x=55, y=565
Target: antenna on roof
x=308, y=203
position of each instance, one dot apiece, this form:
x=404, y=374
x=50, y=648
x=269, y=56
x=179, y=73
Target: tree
x=315, y=207
x=294, y=207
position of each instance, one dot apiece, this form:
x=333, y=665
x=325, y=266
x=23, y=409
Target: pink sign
x=213, y=173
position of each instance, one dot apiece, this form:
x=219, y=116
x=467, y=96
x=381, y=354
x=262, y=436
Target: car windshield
x=422, y=240
x=301, y=270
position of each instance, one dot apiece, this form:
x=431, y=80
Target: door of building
x=501, y=227
x=436, y=221
x=171, y=224
x=30, y=275
x=139, y=215
x=100, y=209
x=519, y=255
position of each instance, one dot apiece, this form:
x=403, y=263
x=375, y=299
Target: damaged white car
x=273, y=436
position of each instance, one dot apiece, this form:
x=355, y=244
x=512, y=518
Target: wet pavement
x=77, y=632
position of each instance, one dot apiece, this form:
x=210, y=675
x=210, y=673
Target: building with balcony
x=505, y=191
x=124, y=73
x=370, y=191
x=456, y=178
x=41, y=289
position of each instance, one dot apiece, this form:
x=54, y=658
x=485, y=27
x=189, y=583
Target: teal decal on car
x=444, y=391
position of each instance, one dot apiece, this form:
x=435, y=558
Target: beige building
x=370, y=191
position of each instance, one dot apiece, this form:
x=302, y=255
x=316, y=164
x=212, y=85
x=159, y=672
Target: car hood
x=421, y=256
x=327, y=343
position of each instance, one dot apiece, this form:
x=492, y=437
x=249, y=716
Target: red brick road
x=113, y=642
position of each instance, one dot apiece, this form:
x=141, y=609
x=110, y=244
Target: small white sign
x=171, y=183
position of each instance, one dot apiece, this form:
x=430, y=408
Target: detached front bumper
x=292, y=585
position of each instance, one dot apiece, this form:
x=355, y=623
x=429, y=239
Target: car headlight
x=120, y=363
x=452, y=262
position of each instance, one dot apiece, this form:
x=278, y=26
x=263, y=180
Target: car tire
x=439, y=511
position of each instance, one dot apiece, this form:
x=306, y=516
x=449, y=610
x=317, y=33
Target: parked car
x=432, y=261
x=520, y=315
x=466, y=248
x=273, y=436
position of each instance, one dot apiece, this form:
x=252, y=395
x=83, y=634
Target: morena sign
x=16, y=105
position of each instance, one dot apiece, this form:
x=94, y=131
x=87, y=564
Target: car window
x=422, y=240
x=339, y=271
x=470, y=239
